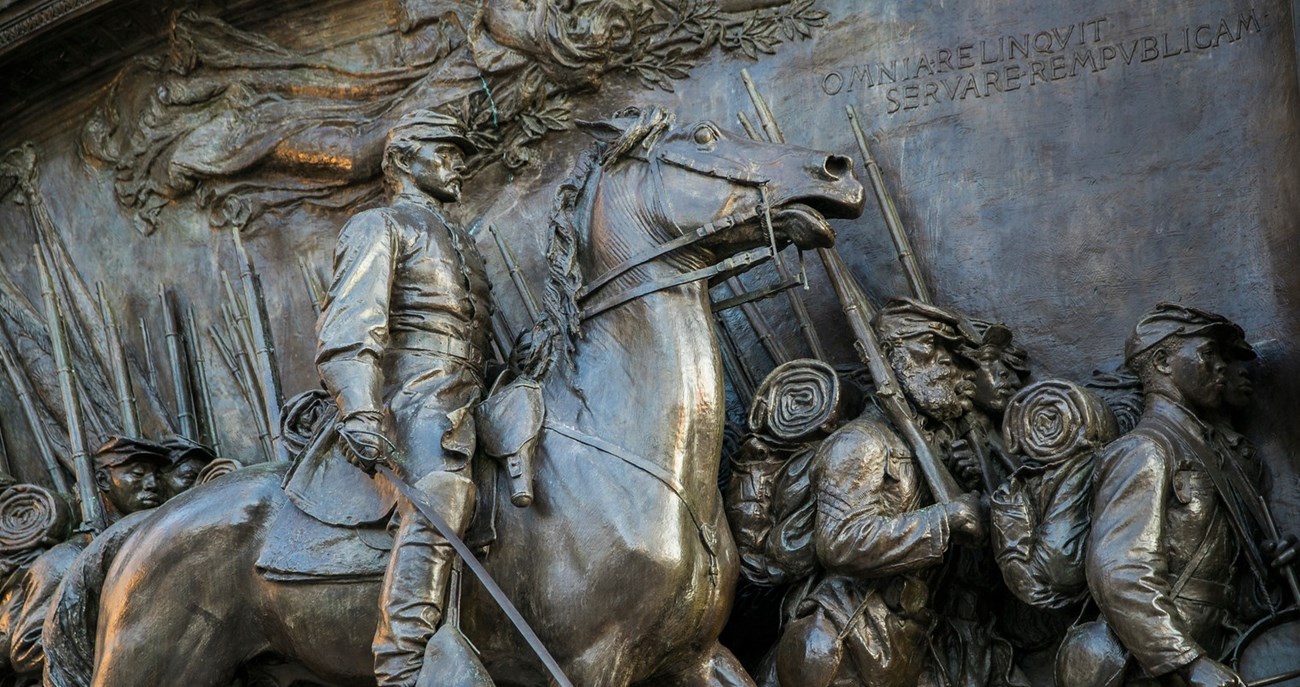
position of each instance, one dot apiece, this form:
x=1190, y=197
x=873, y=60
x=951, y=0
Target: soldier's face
x=181, y=476
x=995, y=383
x=932, y=377
x=130, y=487
x=438, y=169
x=1196, y=367
x=1238, y=389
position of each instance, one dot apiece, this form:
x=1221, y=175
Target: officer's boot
x=415, y=584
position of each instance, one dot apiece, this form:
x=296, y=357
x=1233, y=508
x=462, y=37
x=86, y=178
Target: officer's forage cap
x=119, y=450
x=421, y=126
x=908, y=318
x=180, y=449
x=1168, y=319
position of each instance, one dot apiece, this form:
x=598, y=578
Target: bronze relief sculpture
x=616, y=217
x=740, y=446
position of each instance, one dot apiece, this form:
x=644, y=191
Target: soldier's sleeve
x=353, y=327
x=1128, y=573
x=856, y=533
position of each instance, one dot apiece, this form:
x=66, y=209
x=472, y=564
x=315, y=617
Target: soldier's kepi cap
x=179, y=449
x=907, y=318
x=119, y=450
x=427, y=125
x=993, y=340
x=1169, y=319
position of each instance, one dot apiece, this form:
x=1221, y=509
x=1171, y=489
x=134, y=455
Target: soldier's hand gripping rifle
x=858, y=311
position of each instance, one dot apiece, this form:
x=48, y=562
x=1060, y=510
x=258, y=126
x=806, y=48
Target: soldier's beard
x=937, y=393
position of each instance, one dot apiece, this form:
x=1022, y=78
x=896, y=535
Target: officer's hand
x=969, y=470
x=1207, y=672
x=1282, y=551
x=363, y=445
x=966, y=516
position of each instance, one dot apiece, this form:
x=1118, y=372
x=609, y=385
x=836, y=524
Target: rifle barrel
x=314, y=289
x=902, y=245
x=126, y=404
x=768, y=122
x=858, y=311
x=765, y=118
x=206, y=410
x=26, y=401
x=758, y=321
x=184, y=401
x=92, y=512
x=265, y=346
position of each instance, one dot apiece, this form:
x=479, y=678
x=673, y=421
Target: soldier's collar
x=1173, y=410
x=419, y=199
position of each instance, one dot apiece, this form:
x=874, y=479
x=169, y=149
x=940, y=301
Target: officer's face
x=438, y=169
x=1196, y=367
x=180, y=477
x=995, y=383
x=131, y=486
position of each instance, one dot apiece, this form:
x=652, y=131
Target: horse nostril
x=837, y=166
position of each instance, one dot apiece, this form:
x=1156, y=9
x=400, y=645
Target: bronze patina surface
x=680, y=342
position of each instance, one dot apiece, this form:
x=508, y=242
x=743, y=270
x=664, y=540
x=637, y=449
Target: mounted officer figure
x=401, y=341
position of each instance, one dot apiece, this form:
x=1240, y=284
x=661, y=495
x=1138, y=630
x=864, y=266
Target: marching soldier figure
x=128, y=481
x=1173, y=537
x=864, y=620
x=401, y=341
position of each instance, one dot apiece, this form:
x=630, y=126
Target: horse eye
x=706, y=135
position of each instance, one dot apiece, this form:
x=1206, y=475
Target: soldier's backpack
x=768, y=499
x=1041, y=515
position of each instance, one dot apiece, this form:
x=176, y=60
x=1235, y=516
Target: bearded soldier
x=864, y=619
x=401, y=341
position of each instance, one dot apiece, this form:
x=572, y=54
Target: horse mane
x=553, y=337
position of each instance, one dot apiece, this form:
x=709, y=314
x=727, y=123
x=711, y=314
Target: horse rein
x=762, y=210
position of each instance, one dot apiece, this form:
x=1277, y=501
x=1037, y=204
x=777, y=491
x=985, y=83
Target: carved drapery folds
x=246, y=126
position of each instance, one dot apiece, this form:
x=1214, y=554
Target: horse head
x=656, y=205
x=698, y=174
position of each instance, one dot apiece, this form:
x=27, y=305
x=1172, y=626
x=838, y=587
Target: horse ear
x=606, y=131
x=614, y=128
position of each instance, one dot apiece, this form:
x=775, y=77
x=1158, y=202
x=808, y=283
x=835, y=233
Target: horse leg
x=717, y=668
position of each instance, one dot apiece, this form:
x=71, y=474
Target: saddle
x=334, y=524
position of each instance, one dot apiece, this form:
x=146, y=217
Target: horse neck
x=649, y=370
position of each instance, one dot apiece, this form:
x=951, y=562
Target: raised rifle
x=180, y=386
x=26, y=400
x=121, y=370
x=264, y=343
x=195, y=350
x=92, y=511
x=858, y=311
x=902, y=245
x=774, y=135
x=248, y=375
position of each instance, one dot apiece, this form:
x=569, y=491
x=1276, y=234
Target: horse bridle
x=762, y=210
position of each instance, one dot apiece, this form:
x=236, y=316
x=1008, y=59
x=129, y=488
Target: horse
x=623, y=564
